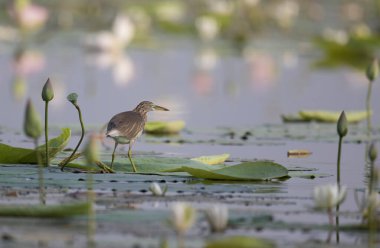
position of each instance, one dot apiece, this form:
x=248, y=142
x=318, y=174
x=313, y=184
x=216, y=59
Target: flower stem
x=46, y=135
x=81, y=137
x=337, y=223
x=42, y=194
x=338, y=161
x=91, y=217
x=368, y=107
x=371, y=183
x=180, y=240
x=331, y=220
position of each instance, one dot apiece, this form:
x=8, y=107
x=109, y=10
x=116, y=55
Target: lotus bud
x=91, y=150
x=373, y=201
x=47, y=91
x=73, y=97
x=329, y=196
x=183, y=217
x=372, y=152
x=32, y=121
x=217, y=217
x=156, y=190
x=373, y=70
x=342, y=125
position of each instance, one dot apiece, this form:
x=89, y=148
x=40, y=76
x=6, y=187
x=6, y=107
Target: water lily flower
x=372, y=71
x=342, y=125
x=156, y=189
x=183, y=217
x=91, y=150
x=329, y=196
x=207, y=27
x=27, y=15
x=123, y=31
x=170, y=11
x=339, y=36
x=32, y=121
x=221, y=7
x=285, y=12
x=217, y=217
x=367, y=201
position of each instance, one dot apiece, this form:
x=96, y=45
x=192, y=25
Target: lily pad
x=258, y=170
x=43, y=211
x=332, y=116
x=213, y=159
x=240, y=242
x=18, y=155
x=160, y=127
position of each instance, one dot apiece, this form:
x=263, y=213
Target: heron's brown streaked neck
x=141, y=110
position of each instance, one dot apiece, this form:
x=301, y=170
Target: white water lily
x=156, y=189
x=183, y=217
x=367, y=201
x=217, y=217
x=123, y=31
x=329, y=196
x=207, y=27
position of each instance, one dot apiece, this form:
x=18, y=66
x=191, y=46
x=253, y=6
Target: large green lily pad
x=18, y=155
x=160, y=127
x=325, y=116
x=258, y=170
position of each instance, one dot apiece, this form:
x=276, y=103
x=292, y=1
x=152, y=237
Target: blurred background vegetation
x=346, y=31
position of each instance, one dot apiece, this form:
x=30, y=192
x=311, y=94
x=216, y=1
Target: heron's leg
x=113, y=154
x=130, y=156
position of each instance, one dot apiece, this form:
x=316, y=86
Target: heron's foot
x=133, y=164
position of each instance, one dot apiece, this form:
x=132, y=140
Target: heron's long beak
x=156, y=107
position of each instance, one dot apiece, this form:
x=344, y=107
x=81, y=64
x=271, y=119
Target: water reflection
x=26, y=62
x=120, y=64
x=262, y=70
x=205, y=62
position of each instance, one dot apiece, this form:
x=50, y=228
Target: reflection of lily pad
x=43, y=211
x=324, y=116
x=18, y=155
x=160, y=127
x=213, y=159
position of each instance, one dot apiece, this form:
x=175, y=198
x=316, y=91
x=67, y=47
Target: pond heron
x=127, y=126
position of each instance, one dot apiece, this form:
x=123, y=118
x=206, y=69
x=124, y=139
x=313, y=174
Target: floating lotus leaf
x=160, y=127
x=258, y=170
x=213, y=159
x=18, y=155
x=332, y=116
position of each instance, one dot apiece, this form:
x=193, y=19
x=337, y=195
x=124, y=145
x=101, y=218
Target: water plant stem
x=42, y=194
x=91, y=217
x=180, y=240
x=331, y=220
x=337, y=224
x=368, y=107
x=81, y=137
x=371, y=184
x=46, y=135
x=338, y=161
